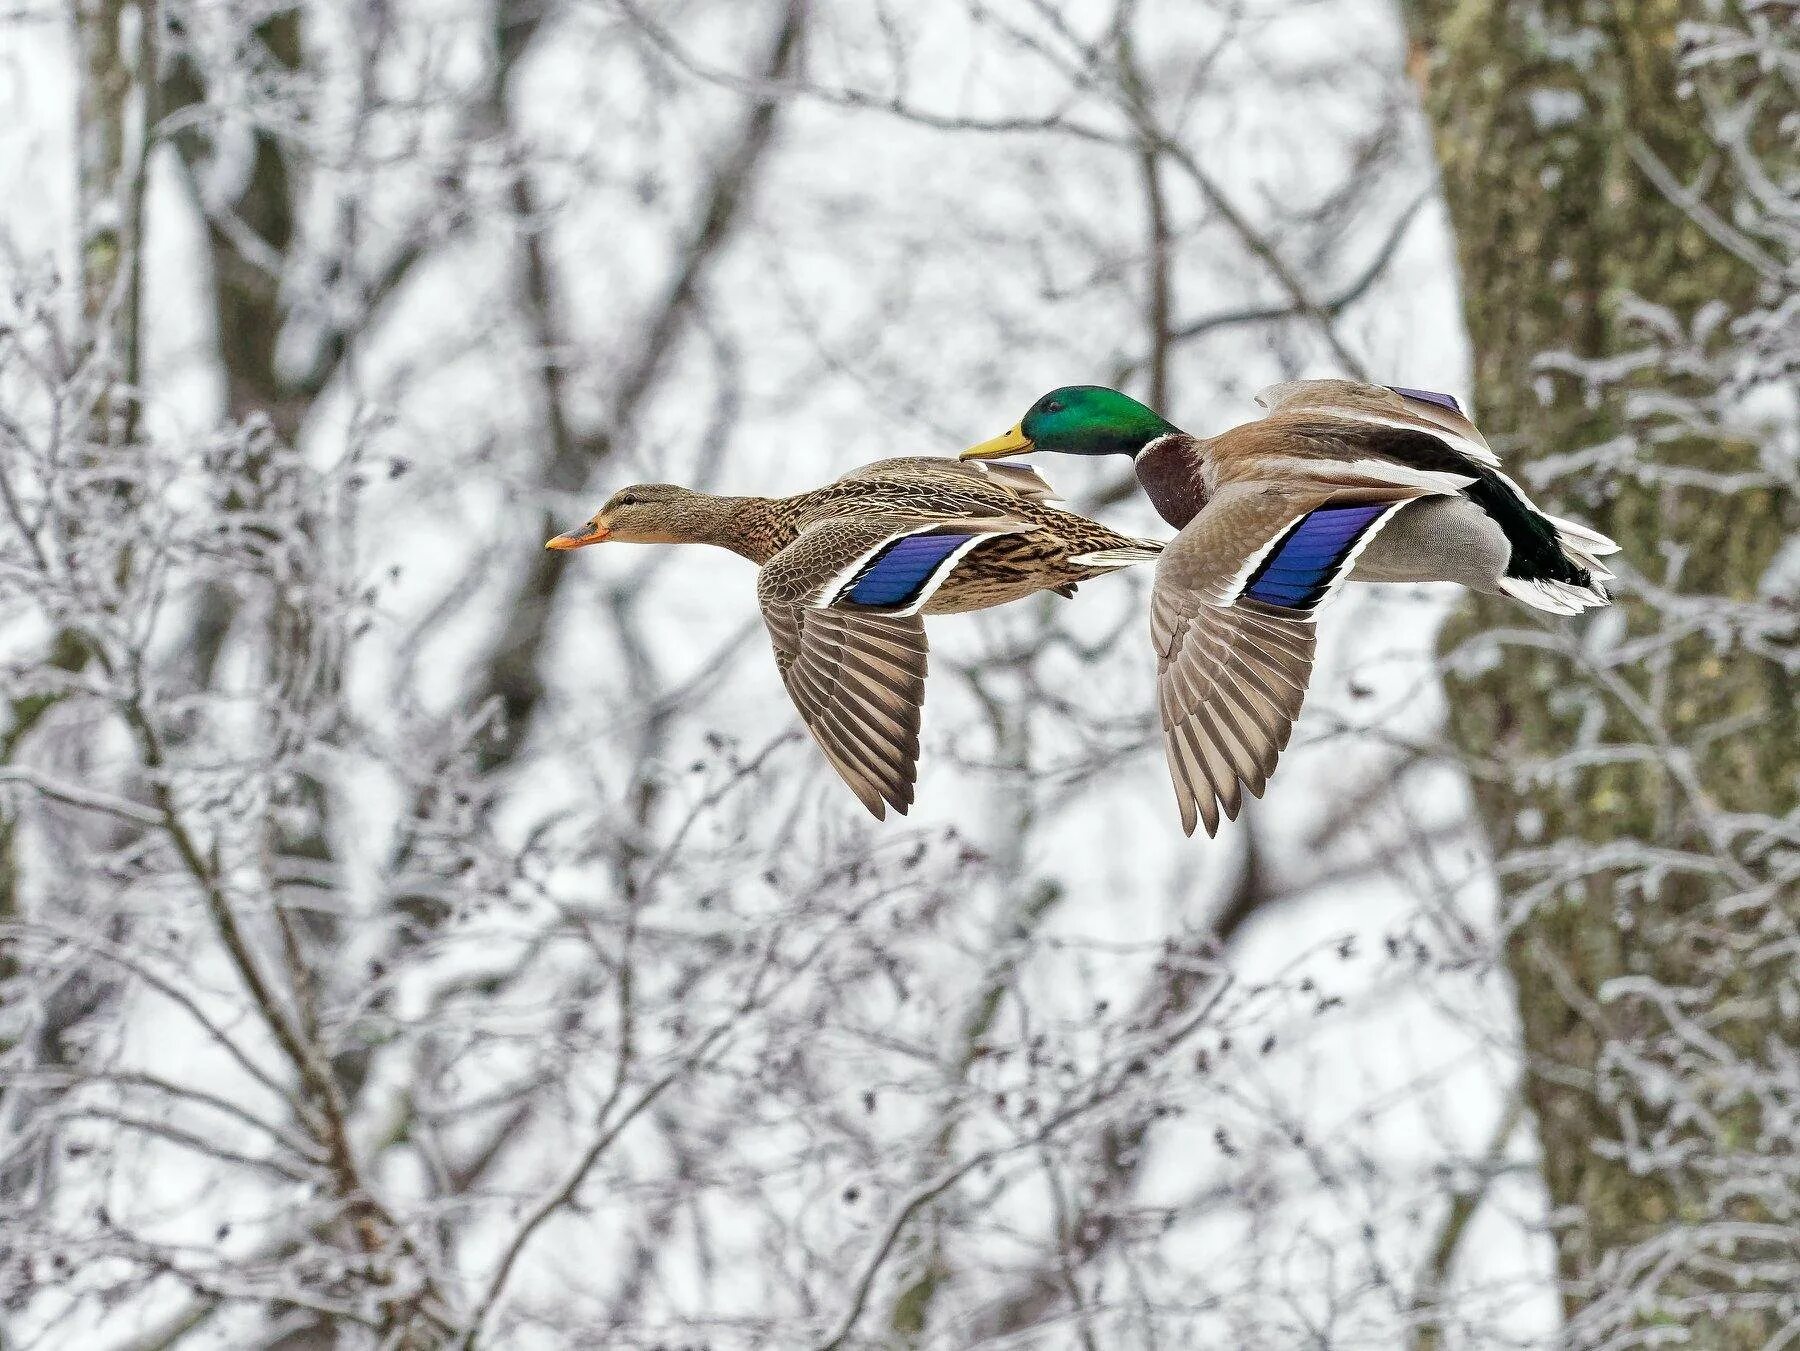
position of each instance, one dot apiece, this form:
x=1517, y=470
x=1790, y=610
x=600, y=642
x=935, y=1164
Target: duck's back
x=930, y=487
x=932, y=478
x=1039, y=555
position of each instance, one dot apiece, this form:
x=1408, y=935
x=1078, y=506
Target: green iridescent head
x=1079, y=420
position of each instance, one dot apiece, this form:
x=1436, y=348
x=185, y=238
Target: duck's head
x=647, y=513
x=1079, y=420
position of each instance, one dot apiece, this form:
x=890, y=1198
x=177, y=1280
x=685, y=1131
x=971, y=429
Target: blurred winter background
x=412, y=939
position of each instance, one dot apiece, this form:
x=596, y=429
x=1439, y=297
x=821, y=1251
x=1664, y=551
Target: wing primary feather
x=877, y=716
x=1199, y=781
x=1256, y=735
x=1183, y=773
x=885, y=738
x=872, y=751
x=1243, y=740
x=857, y=682
x=882, y=676
x=1286, y=705
x=853, y=778
x=1232, y=742
x=1221, y=772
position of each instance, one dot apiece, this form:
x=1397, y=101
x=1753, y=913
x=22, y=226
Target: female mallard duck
x=1340, y=481
x=848, y=569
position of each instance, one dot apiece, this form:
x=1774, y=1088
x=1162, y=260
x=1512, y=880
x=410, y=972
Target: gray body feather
x=1437, y=539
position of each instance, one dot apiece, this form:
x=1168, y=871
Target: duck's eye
x=1053, y=407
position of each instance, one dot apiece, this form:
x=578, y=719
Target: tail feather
x=1582, y=537
x=1597, y=570
x=1559, y=598
x=1121, y=556
x=1584, y=546
x=1555, y=563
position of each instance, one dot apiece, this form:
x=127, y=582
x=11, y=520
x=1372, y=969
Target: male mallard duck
x=848, y=569
x=1339, y=481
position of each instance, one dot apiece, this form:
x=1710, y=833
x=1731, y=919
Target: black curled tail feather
x=1552, y=565
x=1541, y=550
x=1537, y=549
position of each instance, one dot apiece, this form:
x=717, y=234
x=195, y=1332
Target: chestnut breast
x=1169, y=469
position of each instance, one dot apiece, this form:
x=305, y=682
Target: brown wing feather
x=1381, y=406
x=1231, y=671
x=1230, y=681
x=858, y=681
x=1012, y=480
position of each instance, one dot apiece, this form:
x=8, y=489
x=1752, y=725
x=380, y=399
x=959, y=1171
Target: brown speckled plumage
x=856, y=671
x=1005, y=567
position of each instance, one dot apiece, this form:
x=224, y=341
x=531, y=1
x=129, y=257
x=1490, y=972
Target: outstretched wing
x=1230, y=682
x=842, y=605
x=858, y=681
x=1231, y=618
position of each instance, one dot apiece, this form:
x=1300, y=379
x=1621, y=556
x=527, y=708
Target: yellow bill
x=1014, y=442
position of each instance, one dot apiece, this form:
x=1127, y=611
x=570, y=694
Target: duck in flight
x=847, y=571
x=1339, y=481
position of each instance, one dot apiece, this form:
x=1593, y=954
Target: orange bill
x=591, y=533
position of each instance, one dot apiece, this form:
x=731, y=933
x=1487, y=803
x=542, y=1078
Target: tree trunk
x=1620, y=290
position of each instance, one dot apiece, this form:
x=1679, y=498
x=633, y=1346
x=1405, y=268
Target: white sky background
x=892, y=295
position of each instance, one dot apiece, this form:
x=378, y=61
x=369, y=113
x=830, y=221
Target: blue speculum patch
x=1300, y=568
x=1428, y=396
x=899, y=572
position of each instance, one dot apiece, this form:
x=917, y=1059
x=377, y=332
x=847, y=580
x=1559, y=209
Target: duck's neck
x=1170, y=470
x=751, y=527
